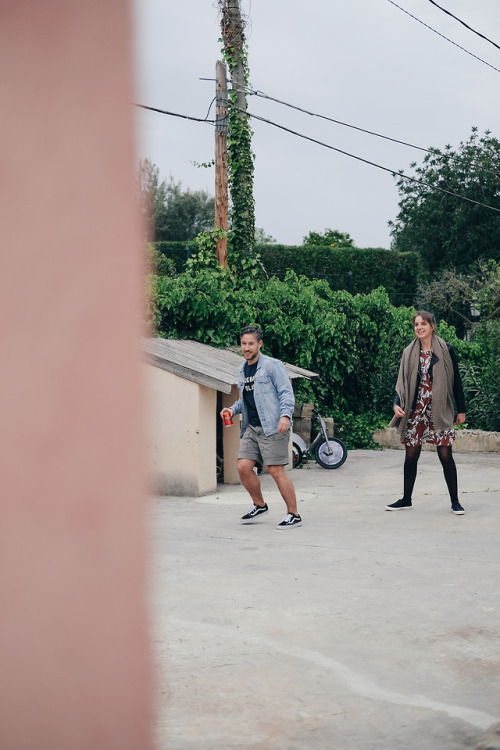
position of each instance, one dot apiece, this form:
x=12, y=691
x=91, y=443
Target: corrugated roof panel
x=202, y=363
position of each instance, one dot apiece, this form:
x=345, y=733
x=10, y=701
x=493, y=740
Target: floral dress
x=420, y=427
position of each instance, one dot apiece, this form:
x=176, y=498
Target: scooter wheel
x=297, y=455
x=331, y=454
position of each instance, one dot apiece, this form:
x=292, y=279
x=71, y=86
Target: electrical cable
x=432, y=151
x=443, y=36
x=175, y=114
x=262, y=95
x=210, y=107
x=393, y=172
x=465, y=24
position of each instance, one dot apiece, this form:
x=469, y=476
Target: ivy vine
x=240, y=156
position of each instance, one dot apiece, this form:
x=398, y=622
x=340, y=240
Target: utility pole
x=221, y=196
x=241, y=164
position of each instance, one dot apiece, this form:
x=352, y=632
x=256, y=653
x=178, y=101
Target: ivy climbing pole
x=240, y=156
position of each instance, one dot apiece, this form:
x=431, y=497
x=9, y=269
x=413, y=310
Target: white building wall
x=181, y=435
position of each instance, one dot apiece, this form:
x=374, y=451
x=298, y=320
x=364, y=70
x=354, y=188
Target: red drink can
x=228, y=420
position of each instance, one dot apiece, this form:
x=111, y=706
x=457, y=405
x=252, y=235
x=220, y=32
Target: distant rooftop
x=202, y=363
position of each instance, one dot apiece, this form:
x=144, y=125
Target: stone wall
x=304, y=424
x=467, y=441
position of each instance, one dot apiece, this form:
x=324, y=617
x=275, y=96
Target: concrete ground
x=361, y=629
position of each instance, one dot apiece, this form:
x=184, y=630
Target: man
x=266, y=404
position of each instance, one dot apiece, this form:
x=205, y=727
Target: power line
x=443, y=36
x=393, y=172
x=465, y=24
x=432, y=151
x=262, y=95
x=175, y=114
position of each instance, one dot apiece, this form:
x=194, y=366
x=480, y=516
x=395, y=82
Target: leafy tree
x=331, y=237
x=462, y=297
x=471, y=303
x=261, y=238
x=169, y=212
x=185, y=213
x=446, y=230
x=151, y=194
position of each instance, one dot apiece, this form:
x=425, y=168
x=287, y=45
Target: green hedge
x=370, y=268
x=399, y=273
x=177, y=252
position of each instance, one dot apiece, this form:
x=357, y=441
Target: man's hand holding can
x=227, y=416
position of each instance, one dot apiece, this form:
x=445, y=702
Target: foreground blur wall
x=74, y=650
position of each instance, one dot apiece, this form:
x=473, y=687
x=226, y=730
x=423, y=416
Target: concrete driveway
x=360, y=629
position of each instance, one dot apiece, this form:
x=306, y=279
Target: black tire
x=331, y=454
x=297, y=455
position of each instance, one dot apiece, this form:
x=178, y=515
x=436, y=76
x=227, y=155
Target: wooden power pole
x=221, y=195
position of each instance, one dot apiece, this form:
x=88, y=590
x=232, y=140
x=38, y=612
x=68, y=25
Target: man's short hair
x=255, y=330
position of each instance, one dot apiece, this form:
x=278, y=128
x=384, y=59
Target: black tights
x=447, y=462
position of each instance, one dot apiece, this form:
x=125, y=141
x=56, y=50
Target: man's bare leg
x=285, y=486
x=250, y=480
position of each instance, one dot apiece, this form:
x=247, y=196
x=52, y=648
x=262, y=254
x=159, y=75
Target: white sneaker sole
x=255, y=519
x=404, y=507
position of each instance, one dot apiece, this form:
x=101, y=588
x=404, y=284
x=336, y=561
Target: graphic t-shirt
x=248, y=394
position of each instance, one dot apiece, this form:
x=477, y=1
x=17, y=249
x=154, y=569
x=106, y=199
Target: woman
x=428, y=382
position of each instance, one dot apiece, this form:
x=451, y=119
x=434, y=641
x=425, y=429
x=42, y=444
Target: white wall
x=182, y=434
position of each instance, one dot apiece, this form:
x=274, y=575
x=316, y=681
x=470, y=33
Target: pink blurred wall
x=74, y=652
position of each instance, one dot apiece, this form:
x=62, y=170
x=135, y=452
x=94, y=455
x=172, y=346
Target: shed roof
x=202, y=363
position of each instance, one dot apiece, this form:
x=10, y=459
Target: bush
x=352, y=342
x=481, y=378
x=399, y=273
x=356, y=430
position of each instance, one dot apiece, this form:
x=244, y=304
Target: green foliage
x=261, y=238
x=481, y=378
x=356, y=430
x=185, y=214
x=445, y=230
x=151, y=194
x=398, y=273
x=329, y=238
x=239, y=148
x=158, y=263
x=462, y=298
x=169, y=212
x=353, y=342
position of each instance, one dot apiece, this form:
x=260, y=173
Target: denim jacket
x=273, y=395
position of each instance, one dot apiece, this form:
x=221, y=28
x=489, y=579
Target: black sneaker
x=254, y=512
x=291, y=519
x=457, y=509
x=399, y=505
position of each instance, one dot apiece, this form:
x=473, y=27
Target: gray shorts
x=268, y=450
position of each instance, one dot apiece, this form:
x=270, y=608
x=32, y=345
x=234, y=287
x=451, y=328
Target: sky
x=364, y=62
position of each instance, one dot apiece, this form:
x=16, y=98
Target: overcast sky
x=364, y=62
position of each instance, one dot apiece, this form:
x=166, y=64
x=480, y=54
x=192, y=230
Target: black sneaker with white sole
x=399, y=505
x=457, y=509
x=254, y=513
x=291, y=519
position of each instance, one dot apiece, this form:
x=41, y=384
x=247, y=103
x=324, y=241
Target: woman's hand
x=398, y=411
x=225, y=410
x=460, y=419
